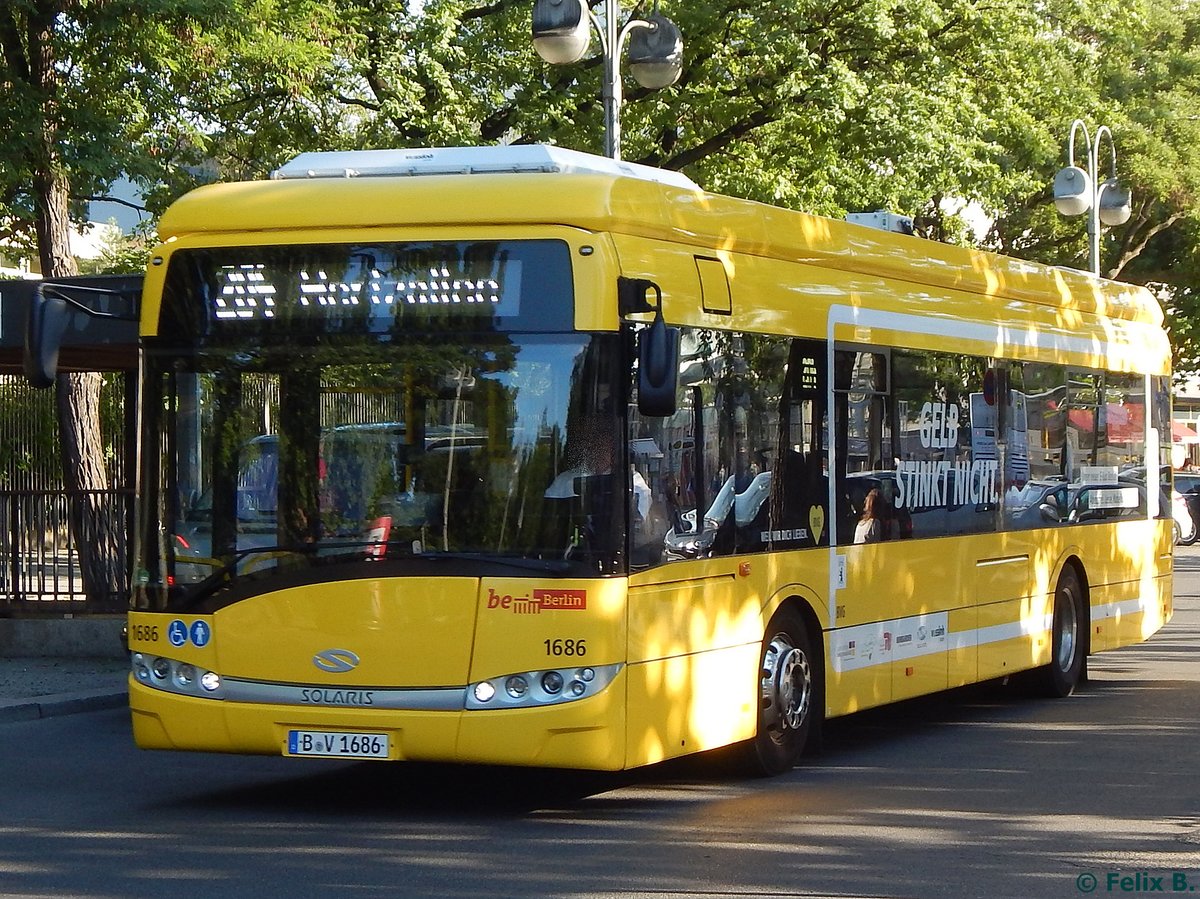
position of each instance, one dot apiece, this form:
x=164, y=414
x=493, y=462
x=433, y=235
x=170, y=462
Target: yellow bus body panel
x=689, y=703
x=585, y=734
x=994, y=597
x=695, y=637
x=167, y=721
x=525, y=625
x=689, y=635
x=411, y=632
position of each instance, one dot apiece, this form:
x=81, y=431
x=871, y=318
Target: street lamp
x=1077, y=191
x=561, y=34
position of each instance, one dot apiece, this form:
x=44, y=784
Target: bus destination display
x=380, y=284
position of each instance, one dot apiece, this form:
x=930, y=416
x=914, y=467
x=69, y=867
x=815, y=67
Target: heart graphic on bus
x=816, y=521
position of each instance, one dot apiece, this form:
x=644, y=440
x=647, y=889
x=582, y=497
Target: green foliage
x=139, y=87
x=30, y=453
x=920, y=106
x=122, y=254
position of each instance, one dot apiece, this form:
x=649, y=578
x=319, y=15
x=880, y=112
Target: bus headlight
x=173, y=676
x=484, y=692
x=529, y=689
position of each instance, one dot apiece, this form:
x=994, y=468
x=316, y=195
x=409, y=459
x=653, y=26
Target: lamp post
x=1077, y=191
x=561, y=35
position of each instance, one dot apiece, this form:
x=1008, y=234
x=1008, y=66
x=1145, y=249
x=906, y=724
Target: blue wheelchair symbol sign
x=177, y=632
x=200, y=633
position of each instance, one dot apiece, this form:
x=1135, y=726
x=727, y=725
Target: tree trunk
x=95, y=515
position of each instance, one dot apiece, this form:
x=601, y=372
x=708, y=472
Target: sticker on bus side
x=538, y=600
x=180, y=633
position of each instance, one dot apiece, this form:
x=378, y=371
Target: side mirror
x=44, y=329
x=50, y=309
x=1050, y=512
x=658, y=369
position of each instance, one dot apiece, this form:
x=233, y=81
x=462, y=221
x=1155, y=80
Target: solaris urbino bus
x=523, y=456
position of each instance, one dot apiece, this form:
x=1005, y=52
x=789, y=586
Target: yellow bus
x=522, y=456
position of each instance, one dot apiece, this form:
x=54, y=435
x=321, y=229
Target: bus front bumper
x=587, y=734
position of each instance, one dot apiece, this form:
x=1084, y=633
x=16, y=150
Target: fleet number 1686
x=564, y=647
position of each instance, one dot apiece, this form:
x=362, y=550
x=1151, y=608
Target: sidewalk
x=44, y=687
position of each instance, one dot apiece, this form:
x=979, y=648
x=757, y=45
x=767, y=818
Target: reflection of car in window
x=1037, y=504
x=1103, y=502
x=1048, y=502
x=1184, y=499
x=258, y=475
x=729, y=508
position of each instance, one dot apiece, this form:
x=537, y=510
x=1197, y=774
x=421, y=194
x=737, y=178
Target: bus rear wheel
x=787, y=695
x=1069, y=630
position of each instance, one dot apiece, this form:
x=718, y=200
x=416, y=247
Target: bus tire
x=1068, y=634
x=788, y=695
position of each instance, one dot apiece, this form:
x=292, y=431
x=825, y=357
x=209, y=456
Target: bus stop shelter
x=39, y=561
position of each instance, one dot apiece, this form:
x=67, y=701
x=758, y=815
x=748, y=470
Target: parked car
x=1187, y=485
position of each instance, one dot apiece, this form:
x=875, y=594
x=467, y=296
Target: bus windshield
x=495, y=450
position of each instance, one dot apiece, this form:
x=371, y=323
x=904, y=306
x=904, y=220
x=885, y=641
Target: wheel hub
x=786, y=685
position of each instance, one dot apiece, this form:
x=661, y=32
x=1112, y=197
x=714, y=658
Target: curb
x=56, y=704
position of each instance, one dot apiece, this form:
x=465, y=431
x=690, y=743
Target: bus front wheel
x=1069, y=631
x=787, y=695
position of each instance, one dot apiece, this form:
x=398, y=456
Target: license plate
x=337, y=744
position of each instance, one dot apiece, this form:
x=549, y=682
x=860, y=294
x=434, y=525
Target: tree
x=830, y=106
x=1135, y=68
x=121, y=254
x=34, y=71
x=89, y=91
x=826, y=105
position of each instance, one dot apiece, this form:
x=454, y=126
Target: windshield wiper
x=224, y=575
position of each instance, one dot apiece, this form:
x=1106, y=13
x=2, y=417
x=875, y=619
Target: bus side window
x=800, y=487
x=864, y=452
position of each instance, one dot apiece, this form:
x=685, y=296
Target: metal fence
x=40, y=566
x=41, y=571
